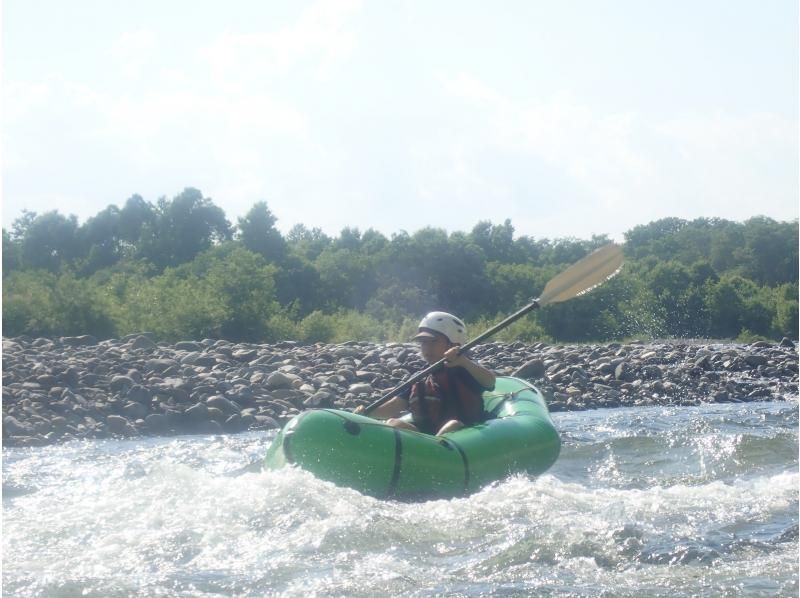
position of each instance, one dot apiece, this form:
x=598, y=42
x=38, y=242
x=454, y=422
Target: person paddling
x=449, y=398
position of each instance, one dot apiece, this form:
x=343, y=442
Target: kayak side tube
x=359, y=452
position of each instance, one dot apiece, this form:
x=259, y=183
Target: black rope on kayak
x=398, y=461
x=349, y=424
x=447, y=442
x=505, y=398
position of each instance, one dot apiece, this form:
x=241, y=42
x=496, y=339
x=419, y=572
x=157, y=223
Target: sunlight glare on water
x=683, y=501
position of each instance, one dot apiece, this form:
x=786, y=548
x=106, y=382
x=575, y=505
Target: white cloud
x=23, y=97
x=740, y=165
x=21, y=100
x=244, y=60
x=634, y=167
x=176, y=123
x=264, y=114
x=134, y=50
x=601, y=152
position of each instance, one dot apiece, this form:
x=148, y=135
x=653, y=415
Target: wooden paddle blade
x=584, y=275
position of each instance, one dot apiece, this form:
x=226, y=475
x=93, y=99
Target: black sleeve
x=469, y=381
x=405, y=394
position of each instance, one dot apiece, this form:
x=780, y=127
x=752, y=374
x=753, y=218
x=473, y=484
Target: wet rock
x=703, y=363
x=156, y=423
x=623, y=371
x=721, y=396
x=138, y=393
x=360, y=389
x=197, y=412
x=216, y=415
x=265, y=422
x=755, y=360
x=121, y=383
x=135, y=410
x=46, y=381
x=55, y=390
x=234, y=423
x=205, y=361
x=281, y=380
x=651, y=372
x=189, y=346
x=159, y=365
x=244, y=354
x=761, y=345
x=224, y=405
x=13, y=427
x=319, y=399
x=531, y=370
x=119, y=425
x=142, y=343
x=78, y=341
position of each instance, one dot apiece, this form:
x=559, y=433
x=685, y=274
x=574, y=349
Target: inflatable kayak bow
x=359, y=452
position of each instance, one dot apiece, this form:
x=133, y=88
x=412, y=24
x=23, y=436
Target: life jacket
x=450, y=393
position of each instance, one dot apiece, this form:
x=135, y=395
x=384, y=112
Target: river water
x=672, y=501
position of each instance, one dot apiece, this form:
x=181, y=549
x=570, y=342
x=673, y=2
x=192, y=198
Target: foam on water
x=655, y=501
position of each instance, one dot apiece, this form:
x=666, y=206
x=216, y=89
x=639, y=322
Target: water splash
x=672, y=500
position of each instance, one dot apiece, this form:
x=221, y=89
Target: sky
x=570, y=118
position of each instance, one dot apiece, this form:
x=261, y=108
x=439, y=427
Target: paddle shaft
x=580, y=278
x=440, y=364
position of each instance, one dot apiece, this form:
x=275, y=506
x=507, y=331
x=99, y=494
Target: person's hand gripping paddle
x=580, y=278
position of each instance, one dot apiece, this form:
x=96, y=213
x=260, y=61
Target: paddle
x=580, y=278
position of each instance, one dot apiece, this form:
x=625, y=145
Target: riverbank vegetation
x=179, y=269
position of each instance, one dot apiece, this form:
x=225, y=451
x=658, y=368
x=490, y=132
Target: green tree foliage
x=257, y=233
x=102, y=235
x=346, y=278
x=785, y=320
x=181, y=229
x=435, y=269
x=760, y=249
x=48, y=241
x=298, y=283
x=134, y=217
x=226, y=292
x=496, y=241
x=727, y=305
x=593, y=317
x=176, y=306
x=772, y=251
x=307, y=243
x=174, y=269
x=517, y=284
x=245, y=284
x=10, y=253
x=660, y=239
x=677, y=299
x=40, y=303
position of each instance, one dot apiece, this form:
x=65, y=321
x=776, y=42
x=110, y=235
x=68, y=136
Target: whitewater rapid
x=674, y=501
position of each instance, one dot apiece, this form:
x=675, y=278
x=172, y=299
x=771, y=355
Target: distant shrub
x=745, y=336
x=39, y=303
x=526, y=329
x=316, y=327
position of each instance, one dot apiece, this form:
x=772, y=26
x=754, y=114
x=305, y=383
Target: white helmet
x=447, y=324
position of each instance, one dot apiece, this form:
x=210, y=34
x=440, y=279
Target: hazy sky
x=570, y=117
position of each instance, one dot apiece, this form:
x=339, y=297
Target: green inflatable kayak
x=365, y=454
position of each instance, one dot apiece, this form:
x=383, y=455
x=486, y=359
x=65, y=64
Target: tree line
x=181, y=270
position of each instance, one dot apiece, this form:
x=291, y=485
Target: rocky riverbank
x=75, y=387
